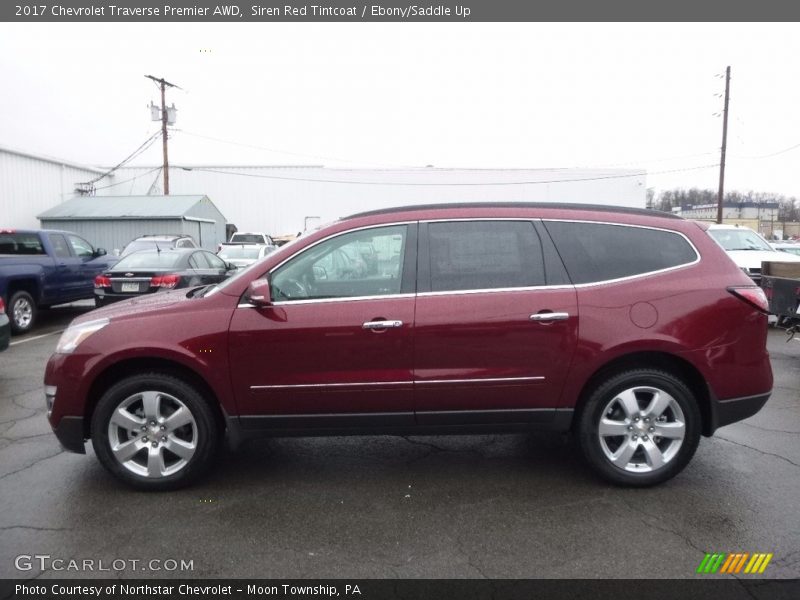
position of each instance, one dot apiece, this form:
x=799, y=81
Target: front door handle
x=382, y=324
x=550, y=316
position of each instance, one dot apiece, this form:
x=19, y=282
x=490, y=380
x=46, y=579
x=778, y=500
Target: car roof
x=167, y=250
x=524, y=205
x=159, y=236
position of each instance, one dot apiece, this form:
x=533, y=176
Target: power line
x=144, y=146
x=442, y=184
x=289, y=152
x=784, y=151
x=135, y=177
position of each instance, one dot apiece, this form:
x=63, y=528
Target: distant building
x=288, y=199
x=761, y=211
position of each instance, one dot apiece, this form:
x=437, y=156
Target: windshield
x=149, y=259
x=229, y=252
x=739, y=239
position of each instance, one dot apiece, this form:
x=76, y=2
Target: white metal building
x=283, y=199
x=30, y=184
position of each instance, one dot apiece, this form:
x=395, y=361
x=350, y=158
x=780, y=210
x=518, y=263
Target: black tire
x=23, y=320
x=169, y=388
x=602, y=404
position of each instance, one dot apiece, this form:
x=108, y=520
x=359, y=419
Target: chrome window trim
x=393, y=383
x=492, y=290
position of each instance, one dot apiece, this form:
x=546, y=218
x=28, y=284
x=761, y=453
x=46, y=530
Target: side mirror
x=100, y=252
x=258, y=293
x=230, y=267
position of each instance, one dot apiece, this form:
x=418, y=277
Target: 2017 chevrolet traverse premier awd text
x=630, y=328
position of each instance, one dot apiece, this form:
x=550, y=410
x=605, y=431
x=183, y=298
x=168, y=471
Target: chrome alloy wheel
x=22, y=312
x=152, y=434
x=641, y=429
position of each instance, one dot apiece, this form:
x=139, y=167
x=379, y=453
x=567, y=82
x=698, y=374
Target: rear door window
x=484, y=255
x=20, y=243
x=594, y=252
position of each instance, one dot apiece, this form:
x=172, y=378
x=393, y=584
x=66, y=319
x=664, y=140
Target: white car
x=787, y=247
x=747, y=248
x=242, y=255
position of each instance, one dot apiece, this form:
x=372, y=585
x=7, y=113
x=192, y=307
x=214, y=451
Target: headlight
x=75, y=334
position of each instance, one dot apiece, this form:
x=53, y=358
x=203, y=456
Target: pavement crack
x=659, y=524
x=34, y=528
x=783, y=458
x=769, y=429
x=425, y=444
x=33, y=464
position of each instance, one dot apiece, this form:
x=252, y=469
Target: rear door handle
x=550, y=316
x=382, y=324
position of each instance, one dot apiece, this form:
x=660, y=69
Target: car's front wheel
x=640, y=427
x=154, y=431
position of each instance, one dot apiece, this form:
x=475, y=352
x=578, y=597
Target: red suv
x=630, y=328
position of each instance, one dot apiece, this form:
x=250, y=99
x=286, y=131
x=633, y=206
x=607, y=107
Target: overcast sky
x=400, y=94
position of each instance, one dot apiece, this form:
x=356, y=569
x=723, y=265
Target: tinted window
x=59, y=245
x=248, y=238
x=599, y=252
x=20, y=243
x=476, y=255
x=335, y=268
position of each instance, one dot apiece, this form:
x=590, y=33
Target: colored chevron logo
x=720, y=562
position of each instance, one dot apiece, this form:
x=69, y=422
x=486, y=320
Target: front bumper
x=70, y=434
x=725, y=412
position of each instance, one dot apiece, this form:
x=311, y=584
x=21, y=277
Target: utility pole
x=724, y=145
x=163, y=84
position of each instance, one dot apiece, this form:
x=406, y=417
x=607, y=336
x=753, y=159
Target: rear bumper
x=725, y=412
x=70, y=434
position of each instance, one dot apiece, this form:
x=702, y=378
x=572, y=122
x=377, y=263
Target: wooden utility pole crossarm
x=163, y=84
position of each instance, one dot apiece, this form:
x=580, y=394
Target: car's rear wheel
x=154, y=431
x=21, y=312
x=640, y=427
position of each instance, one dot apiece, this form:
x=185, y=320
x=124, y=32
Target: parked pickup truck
x=40, y=268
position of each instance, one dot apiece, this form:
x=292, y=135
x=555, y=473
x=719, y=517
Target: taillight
x=165, y=281
x=754, y=296
x=2, y=306
x=101, y=281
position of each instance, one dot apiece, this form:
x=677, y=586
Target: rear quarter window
x=594, y=252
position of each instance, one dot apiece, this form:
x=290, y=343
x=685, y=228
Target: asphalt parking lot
x=514, y=506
